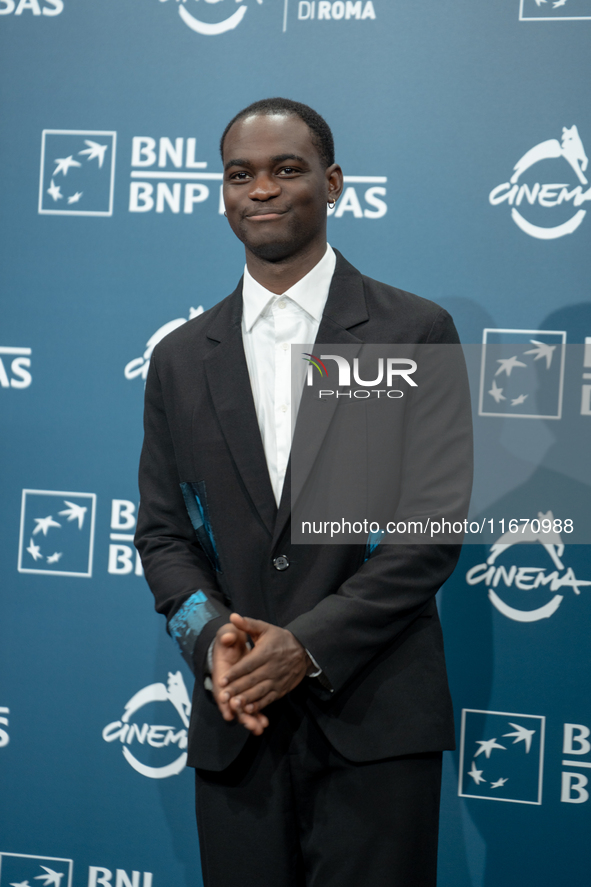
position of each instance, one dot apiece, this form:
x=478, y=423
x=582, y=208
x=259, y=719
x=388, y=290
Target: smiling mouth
x=265, y=216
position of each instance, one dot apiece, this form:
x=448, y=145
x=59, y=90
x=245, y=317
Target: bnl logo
x=501, y=756
x=57, y=533
x=522, y=373
x=22, y=870
x=25, y=870
x=556, y=11
x=77, y=174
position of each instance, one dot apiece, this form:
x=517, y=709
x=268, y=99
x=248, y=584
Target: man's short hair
x=320, y=131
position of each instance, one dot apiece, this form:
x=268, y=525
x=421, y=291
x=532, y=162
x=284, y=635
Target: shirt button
x=283, y=408
x=281, y=563
x=281, y=304
x=285, y=346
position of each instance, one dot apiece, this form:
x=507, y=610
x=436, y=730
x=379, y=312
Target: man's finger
x=230, y=638
x=254, y=707
x=240, y=685
x=253, y=627
x=226, y=711
x=242, y=700
x=256, y=723
x=249, y=663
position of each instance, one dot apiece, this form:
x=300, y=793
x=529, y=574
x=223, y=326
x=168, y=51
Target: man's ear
x=334, y=178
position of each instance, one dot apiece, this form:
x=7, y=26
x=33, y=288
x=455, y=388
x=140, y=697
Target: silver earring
x=331, y=204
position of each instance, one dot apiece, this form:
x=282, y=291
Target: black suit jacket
x=209, y=532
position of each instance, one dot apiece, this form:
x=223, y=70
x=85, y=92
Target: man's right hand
x=229, y=648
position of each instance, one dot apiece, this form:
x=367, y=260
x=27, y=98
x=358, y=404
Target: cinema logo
x=547, y=578
x=214, y=22
x=211, y=23
x=139, y=366
x=389, y=370
x=154, y=739
x=555, y=196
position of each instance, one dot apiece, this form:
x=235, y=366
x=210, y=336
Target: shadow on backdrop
x=502, y=661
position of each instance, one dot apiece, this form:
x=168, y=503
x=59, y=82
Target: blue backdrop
x=462, y=130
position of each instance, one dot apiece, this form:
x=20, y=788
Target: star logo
x=64, y=164
x=487, y=746
x=509, y=772
x=522, y=734
x=94, y=150
x=28, y=870
x=54, y=191
x=496, y=392
x=476, y=774
x=34, y=551
x=73, y=532
x=50, y=878
x=509, y=364
x=43, y=525
x=77, y=172
x=542, y=350
x=499, y=783
x=519, y=380
x=74, y=512
x=555, y=10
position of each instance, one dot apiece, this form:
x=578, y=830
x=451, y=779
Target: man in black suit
x=321, y=706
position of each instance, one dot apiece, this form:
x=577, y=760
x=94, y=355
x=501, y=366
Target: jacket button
x=281, y=563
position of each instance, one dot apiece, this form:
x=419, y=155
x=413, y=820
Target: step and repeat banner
x=463, y=130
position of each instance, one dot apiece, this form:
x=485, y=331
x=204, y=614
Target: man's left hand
x=276, y=664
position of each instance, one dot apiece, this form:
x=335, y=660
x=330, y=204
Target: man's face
x=276, y=187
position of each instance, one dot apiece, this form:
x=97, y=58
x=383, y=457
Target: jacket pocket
x=196, y=502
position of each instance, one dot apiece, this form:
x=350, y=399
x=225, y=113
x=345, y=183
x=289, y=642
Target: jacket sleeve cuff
x=193, y=627
x=314, y=669
x=319, y=680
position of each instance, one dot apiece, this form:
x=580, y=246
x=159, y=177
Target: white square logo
x=22, y=870
x=77, y=175
x=56, y=533
x=501, y=756
x=555, y=11
x=522, y=374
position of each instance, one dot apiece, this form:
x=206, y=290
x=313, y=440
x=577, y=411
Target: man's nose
x=264, y=187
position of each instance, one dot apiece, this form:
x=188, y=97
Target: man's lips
x=266, y=215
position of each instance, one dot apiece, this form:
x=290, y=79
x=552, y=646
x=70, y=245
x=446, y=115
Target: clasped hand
x=246, y=680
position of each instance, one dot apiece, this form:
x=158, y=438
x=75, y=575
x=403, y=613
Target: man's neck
x=278, y=277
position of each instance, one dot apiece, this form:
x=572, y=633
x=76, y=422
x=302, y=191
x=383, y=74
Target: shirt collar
x=310, y=293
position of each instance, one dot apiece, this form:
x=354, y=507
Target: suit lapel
x=345, y=307
x=231, y=393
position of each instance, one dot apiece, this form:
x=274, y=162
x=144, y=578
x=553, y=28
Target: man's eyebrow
x=280, y=158
x=236, y=162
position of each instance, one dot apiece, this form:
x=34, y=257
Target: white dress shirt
x=270, y=324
